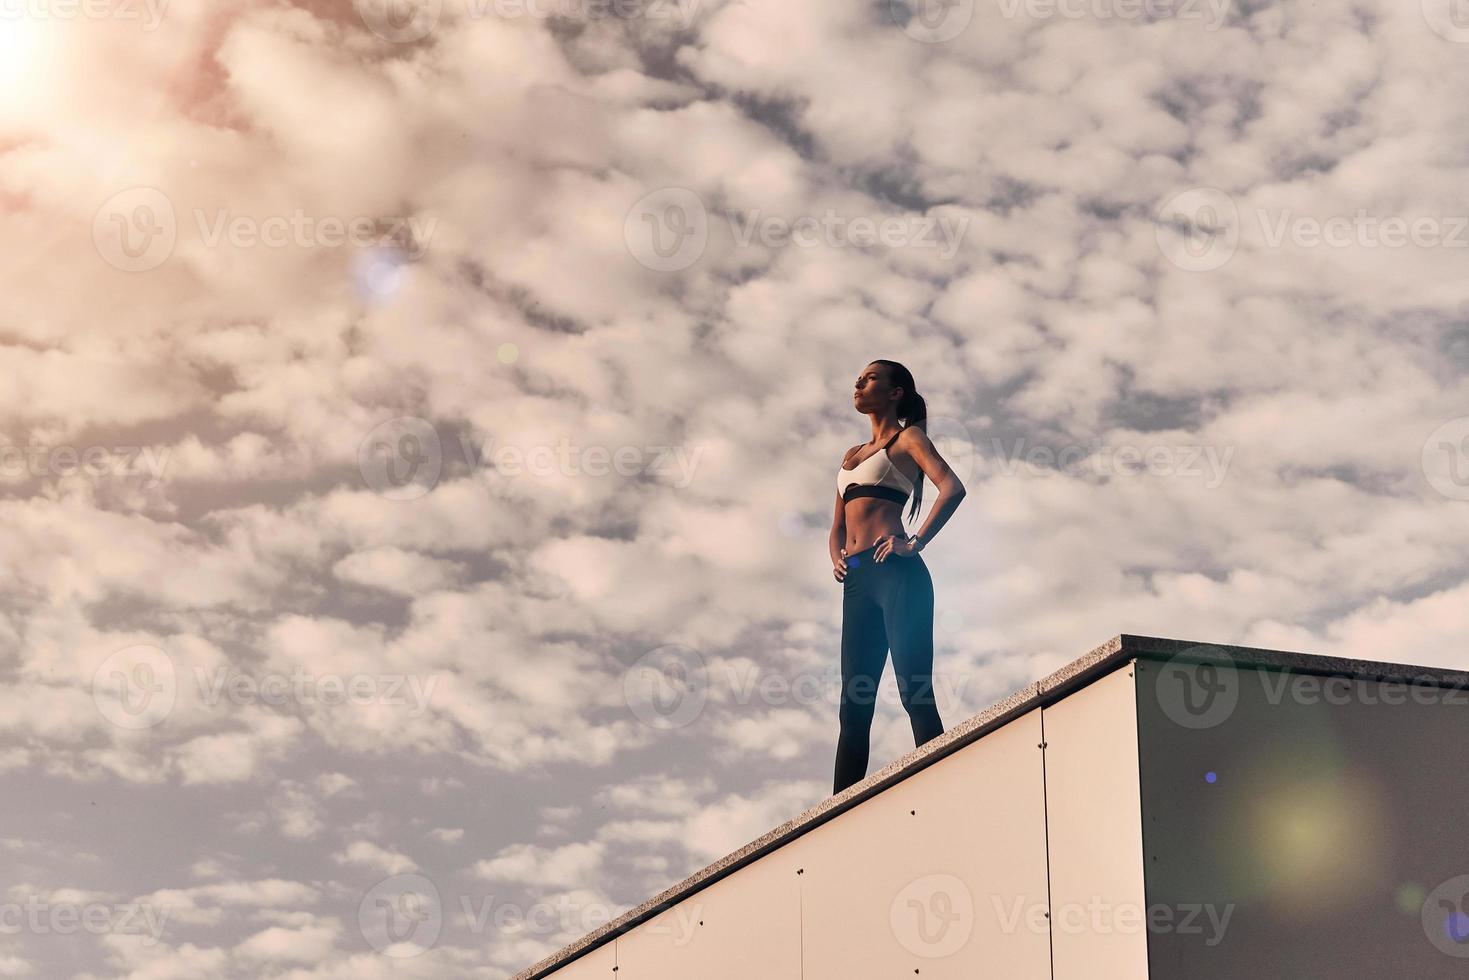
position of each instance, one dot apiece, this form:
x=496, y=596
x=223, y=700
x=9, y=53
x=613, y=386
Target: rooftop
x=1102, y=660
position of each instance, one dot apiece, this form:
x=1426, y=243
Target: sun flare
x=25, y=51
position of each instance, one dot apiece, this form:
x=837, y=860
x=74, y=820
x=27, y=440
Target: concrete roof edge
x=1161, y=648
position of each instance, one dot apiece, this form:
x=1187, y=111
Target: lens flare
x=378, y=274
x=25, y=51
x=1308, y=842
x=1410, y=897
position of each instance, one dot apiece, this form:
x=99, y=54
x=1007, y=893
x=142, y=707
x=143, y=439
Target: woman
x=887, y=594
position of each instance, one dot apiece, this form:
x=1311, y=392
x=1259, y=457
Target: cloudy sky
x=422, y=419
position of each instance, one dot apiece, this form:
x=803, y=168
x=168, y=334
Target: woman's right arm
x=837, y=540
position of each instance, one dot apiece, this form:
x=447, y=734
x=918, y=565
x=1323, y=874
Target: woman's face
x=872, y=391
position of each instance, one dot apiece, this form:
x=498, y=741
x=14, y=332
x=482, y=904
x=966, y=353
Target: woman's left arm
x=951, y=491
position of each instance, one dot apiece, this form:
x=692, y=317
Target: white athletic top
x=875, y=476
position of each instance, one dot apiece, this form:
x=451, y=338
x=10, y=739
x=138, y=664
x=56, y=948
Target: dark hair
x=912, y=410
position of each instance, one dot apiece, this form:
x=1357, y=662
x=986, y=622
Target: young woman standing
x=887, y=593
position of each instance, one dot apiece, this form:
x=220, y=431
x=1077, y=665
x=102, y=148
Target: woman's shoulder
x=909, y=436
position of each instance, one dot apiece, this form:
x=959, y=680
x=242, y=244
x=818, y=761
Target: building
x=1156, y=810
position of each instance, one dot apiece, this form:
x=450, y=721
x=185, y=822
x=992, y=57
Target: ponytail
x=912, y=410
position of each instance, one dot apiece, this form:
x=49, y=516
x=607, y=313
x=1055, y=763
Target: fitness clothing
x=875, y=479
x=884, y=604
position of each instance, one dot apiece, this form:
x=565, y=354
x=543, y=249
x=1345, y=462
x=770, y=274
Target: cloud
x=396, y=570
x=309, y=945
x=12, y=965
x=659, y=795
x=236, y=756
x=370, y=855
x=297, y=814
x=215, y=903
x=779, y=734
x=553, y=867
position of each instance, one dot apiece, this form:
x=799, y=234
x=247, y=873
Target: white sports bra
x=875, y=476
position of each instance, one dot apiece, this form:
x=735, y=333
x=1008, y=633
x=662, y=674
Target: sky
x=423, y=415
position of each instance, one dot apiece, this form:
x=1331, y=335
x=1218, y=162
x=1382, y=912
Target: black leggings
x=884, y=604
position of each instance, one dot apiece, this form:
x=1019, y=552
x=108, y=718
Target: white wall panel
x=924, y=878
x=1094, y=813
x=747, y=925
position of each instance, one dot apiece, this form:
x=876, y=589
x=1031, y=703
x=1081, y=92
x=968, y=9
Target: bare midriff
x=871, y=518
